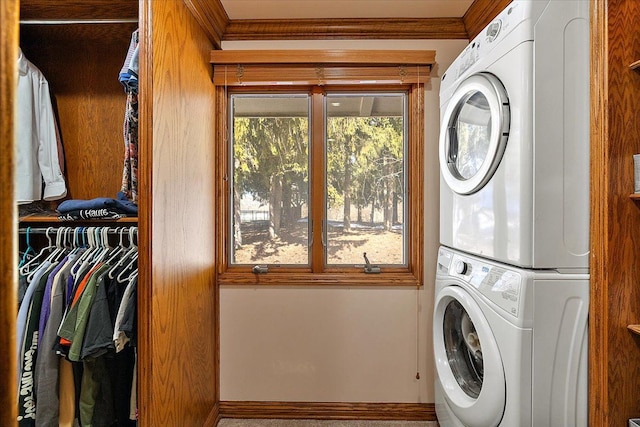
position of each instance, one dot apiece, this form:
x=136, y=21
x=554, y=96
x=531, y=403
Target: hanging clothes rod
x=77, y=21
x=53, y=230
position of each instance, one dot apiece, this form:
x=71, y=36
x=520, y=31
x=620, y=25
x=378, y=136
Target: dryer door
x=473, y=133
x=468, y=362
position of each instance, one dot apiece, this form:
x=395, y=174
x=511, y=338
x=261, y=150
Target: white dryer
x=510, y=345
x=514, y=138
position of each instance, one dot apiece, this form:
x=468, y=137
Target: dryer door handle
x=452, y=152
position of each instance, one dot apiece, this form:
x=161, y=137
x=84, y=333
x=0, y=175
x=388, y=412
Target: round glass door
x=473, y=133
x=468, y=363
x=463, y=347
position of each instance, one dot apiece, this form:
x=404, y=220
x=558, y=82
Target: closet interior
x=80, y=51
x=80, y=46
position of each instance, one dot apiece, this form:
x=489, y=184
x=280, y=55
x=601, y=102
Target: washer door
x=468, y=361
x=474, y=133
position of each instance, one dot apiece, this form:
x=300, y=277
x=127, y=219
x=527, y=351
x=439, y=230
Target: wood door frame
x=8, y=219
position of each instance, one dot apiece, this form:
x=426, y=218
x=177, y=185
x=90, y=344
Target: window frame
x=317, y=273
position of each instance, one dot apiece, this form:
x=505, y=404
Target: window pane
x=365, y=178
x=270, y=149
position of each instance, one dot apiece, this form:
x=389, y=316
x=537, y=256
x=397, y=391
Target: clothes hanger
x=29, y=249
x=120, y=276
x=51, y=258
x=25, y=269
x=119, y=249
x=76, y=246
x=131, y=251
x=86, y=255
x=105, y=248
x=65, y=246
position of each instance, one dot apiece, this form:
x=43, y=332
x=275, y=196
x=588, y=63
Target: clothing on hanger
x=38, y=160
x=129, y=78
x=69, y=369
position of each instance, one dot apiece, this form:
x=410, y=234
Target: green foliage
x=364, y=158
x=265, y=148
x=371, y=148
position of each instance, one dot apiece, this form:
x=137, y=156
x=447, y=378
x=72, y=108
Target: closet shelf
x=634, y=328
x=635, y=65
x=53, y=218
x=635, y=196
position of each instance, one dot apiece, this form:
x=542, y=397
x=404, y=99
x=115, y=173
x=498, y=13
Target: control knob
x=462, y=267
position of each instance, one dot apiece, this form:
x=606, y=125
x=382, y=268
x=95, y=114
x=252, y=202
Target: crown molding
x=212, y=17
x=326, y=29
x=480, y=13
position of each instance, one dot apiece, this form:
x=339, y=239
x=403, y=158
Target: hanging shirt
x=38, y=159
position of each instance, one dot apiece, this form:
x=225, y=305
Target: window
x=316, y=176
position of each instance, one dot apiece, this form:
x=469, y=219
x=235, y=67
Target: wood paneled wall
x=81, y=63
x=614, y=360
x=177, y=292
x=8, y=244
x=78, y=9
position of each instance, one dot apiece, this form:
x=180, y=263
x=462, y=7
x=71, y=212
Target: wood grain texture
x=212, y=17
x=480, y=14
x=178, y=312
x=81, y=63
x=324, y=56
x=330, y=29
x=8, y=218
x=416, y=182
x=329, y=411
x=599, y=303
x=78, y=9
x=270, y=75
x=615, y=136
x=350, y=278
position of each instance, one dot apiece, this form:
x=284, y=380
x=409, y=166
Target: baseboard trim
x=214, y=416
x=329, y=410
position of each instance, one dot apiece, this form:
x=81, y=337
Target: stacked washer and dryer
x=512, y=280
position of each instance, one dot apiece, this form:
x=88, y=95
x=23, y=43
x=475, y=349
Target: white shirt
x=36, y=138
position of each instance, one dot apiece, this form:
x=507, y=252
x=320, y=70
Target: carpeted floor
x=323, y=423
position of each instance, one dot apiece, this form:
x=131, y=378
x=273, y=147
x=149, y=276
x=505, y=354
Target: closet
x=80, y=46
x=614, y=359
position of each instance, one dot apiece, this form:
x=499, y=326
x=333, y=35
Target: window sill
x=318, y=279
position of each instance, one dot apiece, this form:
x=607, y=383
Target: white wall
x=339, y=344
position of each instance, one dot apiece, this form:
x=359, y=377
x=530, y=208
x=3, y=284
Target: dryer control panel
x=485, y=41
x=498, y=284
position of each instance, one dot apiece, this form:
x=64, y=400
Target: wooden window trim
x=412, y=275
x=320, y=67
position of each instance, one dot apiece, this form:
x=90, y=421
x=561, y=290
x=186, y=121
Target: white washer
x=514, y=139
x=510, y=345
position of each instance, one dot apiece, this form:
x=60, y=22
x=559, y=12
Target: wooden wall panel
x=8, y=219
x=598, y=319
x=82, y=63
x=177, y=291
x=615, y=219
x=78, y=9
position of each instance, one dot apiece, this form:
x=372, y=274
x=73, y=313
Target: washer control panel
x=498, y=284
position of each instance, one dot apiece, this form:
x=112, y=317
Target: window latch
x=260, y=269
x=370, y=268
